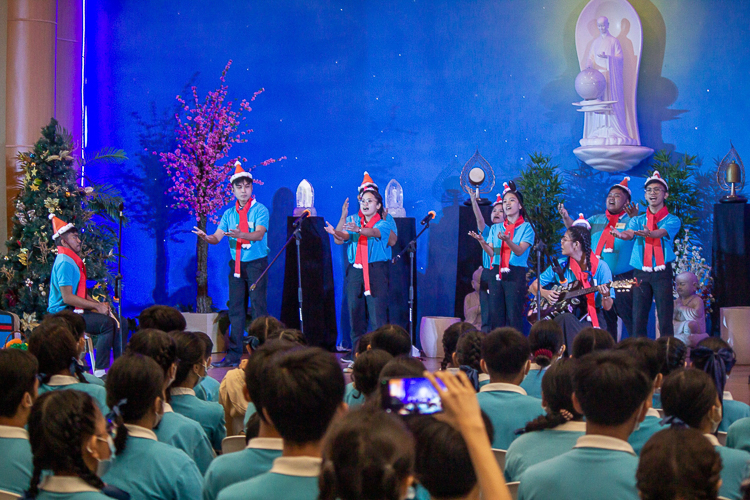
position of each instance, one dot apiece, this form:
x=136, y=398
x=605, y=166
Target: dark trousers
x=623, y=308
x=239, y=293
x=367, y=310
x=571, y=325
x=484, y=298
x=507, y=298
x=106, y=337
x=656, y=286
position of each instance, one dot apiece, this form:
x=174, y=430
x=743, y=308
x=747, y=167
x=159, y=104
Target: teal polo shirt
x=486, y=259
x=535, y=447
x=509, y=408
x=671, y=223
x=532, y=382
x=257, y=215
x=257, y=458
x=64, y=273
x=209, y=415
x=618, y=259
x=522, y=234
x=17, y=465
x=377, y=248
x=738, y=435
x=208, y=389
x=68, y=488
x=187, y=435
x=650, y=426
x=290, y=478
x=734, y=465
x=732, y=412
x=602, y=276
x=63, y=382
x=353, y=397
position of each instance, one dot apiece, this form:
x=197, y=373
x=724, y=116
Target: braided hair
x=59, y=424
x=158, y=346
x=557, y=388
x=289, y=335
x=672, y=352
x=582, y=236
x=367, y=454
x=56, y=349
x=450, y=340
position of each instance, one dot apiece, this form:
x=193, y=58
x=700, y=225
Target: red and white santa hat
x=367, y=185
x=59, y=226
x=622, y=185
x=499, y=199
x=581, y=221
x=506, y=188
x=240, y=172
x=656, y=177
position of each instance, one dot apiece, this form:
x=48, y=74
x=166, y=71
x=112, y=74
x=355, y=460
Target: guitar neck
x=582, y=291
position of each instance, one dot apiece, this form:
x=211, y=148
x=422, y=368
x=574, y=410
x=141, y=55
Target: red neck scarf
x=583, y=278
x=361, y=259
x=510, y=229
x=245, y=228
x=81, y=290
x=653, y=245
x=607, y=240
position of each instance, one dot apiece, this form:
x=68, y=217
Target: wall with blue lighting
x=404, y=89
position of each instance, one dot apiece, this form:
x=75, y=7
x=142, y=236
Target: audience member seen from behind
x=678, y=464
x=392, y=339
x=553, y=433
x=366, y=373
x=689, y=398
x=302, y=392
x=468, y=358
x=591, y=340
x=262, y=327
x=545, y=342
x=505, y=357
x=164, y=318
x=208, y=387
x=17, y=394
x=450, y=340
x=368, y=454
x=352, y=396
x=288, y=334
x=403, y=368
x=612, y=391
x=673, y=354
x=77, y=326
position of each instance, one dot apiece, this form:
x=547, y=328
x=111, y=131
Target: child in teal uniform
x=352, y=396
x=673, y=353
x=468, y=358
x=366, y=375
x=57, y=353
x=302, y=391
x=553, y=433
x=678, y=464
x=174, y=429
x=393, y=339
x=716, y=357
x=164, y=318
x=689, y=398
x=17, y=393
x=497, y=216
x=77, y=326
x=646, y=354
x=143, y=466
x=450, y=341
x=505, y=356
x=545, y=341
x=208, y=387
x=191, y=367
x=591, y=340
x=71, y=447
x=612, y=392
x=261, y=450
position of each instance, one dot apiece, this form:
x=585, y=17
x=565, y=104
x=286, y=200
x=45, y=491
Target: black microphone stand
x=297, y=236
x=118, y=278
x=412, y=249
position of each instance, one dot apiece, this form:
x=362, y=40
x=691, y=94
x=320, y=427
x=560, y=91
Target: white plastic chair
x=513, y=487
x=500, y=457
x=722, y=437
x=231, y=444
x=7, y=495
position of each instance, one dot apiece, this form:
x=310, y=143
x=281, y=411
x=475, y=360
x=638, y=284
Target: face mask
x=638, y=423
x=157, y=419
x=104, y=465
x=715, y=423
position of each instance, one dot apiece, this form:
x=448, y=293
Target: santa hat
x=506, y=188
x=239, y=172
x=657, y=178
x=622, y=185
x=499, y=200
x=59, y=226
x=581, y=221
x=367, y=185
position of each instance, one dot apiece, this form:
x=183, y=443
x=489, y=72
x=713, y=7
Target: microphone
x=430, y=215
x=121, y=208
x=302, y=217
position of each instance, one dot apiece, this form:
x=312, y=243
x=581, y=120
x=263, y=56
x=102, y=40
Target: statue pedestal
x=612, y=158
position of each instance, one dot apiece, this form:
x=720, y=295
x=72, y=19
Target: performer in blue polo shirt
x=615, y=252
x=246, y=223
x=366, y=236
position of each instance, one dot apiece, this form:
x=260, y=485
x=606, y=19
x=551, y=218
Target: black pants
x=623, y=308
x=507, y=298
x=484, y=298
x=656, y=286
x=106, y=337
x=367, y=310
x=239, y=292
x=571, y=325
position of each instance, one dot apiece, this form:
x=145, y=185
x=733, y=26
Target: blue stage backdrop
x=404, y=89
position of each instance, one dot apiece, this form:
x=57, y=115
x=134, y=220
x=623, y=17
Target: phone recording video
x=408, y=396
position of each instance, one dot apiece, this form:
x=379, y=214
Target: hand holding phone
x=407, y=396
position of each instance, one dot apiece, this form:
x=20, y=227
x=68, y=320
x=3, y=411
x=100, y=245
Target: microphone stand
x=540, y=248
x=297, y=236
x=412, y=249
x=118, y=278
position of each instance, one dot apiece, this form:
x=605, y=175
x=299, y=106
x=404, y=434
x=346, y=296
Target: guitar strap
x=583, y=278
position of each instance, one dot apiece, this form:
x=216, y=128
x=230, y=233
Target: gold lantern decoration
x=730, y=175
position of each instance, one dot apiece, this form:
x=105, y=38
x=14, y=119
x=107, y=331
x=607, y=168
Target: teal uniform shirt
x=597, y=467
x=209, y=415
x=535, y=447
x=290, y=478
x=509, y=409
x=208, y=389
x=602, y=275
x=64, y=273
x=377, y=248
x=532, y=382
x=738, y=435
x=353, y=397
x=237, y=467
x=671, y=223
x=650, y=426
x=248, y=414
x=68, y=488
x=60, y=382
x=732, y=412
x=187, y=435
x=17, y=465
x=656, y=401
x=618, y=259
x=148, y=469
x=257, y=215
x=522, y=234
x=486, y=259
x=92, y=379
x=418, y=492
x=734, y=464
x=484, y=379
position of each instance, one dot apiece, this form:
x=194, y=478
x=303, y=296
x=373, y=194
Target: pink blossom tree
x=200, y=166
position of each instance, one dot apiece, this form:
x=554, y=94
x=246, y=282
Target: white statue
x=609, y=57
x=394, y=199
x=305, y=199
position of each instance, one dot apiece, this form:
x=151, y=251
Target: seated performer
x=68, y=291
x=689, y=313
x=482, y=236
x=584, y=266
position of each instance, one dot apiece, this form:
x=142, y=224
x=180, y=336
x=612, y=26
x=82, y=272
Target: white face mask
x=716, y=423
x=104, y=464
x=158, y=417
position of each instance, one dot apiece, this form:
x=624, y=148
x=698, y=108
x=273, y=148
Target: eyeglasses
x=654, y=190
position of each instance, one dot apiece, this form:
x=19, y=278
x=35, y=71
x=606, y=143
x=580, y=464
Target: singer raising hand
x=366, y=238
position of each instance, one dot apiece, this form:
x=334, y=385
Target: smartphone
x=408, y=396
